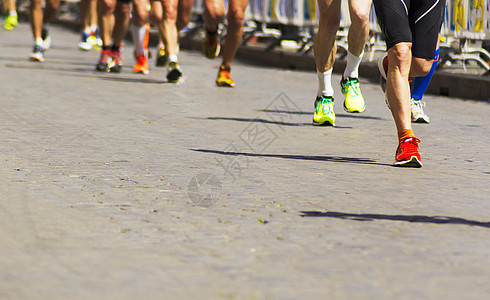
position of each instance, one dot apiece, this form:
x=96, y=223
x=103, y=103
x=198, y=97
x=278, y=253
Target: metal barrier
x=467, y=23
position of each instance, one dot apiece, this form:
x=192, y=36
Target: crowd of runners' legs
x=412, y=43
x=325, y=50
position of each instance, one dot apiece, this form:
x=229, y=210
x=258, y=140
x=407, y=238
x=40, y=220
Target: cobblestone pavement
x=122, y=186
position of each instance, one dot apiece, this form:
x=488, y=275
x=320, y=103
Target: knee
x=329, y=24
x=401, y=54
x=36, y=3
x=139, y=16
x=182, y=21
x=170, y=14
x=236, y=17
x=155, y=17
x=425, y=67
x=421, y=67
x=53, y=5
x=106, y=6
x=360, y=18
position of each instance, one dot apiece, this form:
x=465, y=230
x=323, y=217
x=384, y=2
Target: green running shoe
x=354, y=102
x=324, y=114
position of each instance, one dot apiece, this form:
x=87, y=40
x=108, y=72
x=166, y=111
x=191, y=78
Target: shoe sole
x=420, y=121
x=222, y=84
x=36, y=59
x=354, y=111
x=326, y=123
x=174, y=75
x=85, y=47
x=142, y=71
x=414, y=162
x=99, y=69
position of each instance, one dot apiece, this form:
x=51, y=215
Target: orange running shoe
x=407, y=153
x=141, y=65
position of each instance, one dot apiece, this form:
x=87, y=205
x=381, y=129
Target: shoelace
x=351, y=85
x=38, y=48
x=418, y=106
x=410, y=144
x=322, y=104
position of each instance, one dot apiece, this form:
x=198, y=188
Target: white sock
x=87, y=31
x=352, y=68
x=325, y=83
x=93, y=28
x=138, y=34
x=13, y=13
x=172, y=57
x=39, y=41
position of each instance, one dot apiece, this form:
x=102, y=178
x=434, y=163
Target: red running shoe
x=116, y=65
x=407, y=153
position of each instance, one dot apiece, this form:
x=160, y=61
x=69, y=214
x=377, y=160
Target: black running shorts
x=124, y=1
x=412, y=21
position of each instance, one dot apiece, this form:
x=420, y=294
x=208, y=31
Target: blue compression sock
x=420, y=84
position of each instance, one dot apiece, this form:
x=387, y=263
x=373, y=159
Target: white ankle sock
x=172, y=57
x=325, y=84
x=352, y=67
x=138, y=34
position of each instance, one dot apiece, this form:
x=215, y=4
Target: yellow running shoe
x=224, y=78
x=141, y=65
x=354, y=102
x=10, y=22
x=211, y=45
x=324, y=114
x=162, y=56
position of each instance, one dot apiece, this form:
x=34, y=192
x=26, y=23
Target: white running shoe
x=418, y=114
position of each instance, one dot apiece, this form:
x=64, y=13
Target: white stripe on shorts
x=432, y=7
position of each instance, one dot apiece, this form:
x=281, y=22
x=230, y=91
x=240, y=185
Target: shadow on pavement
x=135, y=80
x=251, y=120
x=405, y=218
x=45, y=66
x=355, y=116
x=50, y=66
x=273, y=122
x=338, y=159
